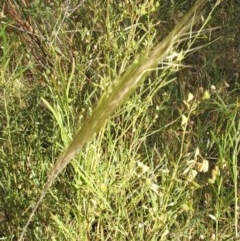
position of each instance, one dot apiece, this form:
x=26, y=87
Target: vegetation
x=165, y=165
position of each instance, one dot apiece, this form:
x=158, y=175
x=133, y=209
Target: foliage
x=164, y=167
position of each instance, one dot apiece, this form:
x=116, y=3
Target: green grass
x=141, y=177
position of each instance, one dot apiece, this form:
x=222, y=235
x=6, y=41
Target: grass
x=164, y=167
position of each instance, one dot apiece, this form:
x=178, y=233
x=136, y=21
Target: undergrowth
x=164, y=167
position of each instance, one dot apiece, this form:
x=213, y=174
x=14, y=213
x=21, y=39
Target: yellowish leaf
x=202, y=166
x=184, y=120
x=206, y=95
x=142, y=168
x=190, y=97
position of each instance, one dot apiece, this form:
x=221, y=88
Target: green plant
x=118, y=93
x=163, y=166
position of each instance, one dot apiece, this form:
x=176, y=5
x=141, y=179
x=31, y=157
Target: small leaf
x=206, y=95
x=212, y=217
x=190, y=97
x=192, y=174
x=215, y=172
x=202, y=166
x=142, y=168
x=184, y=120
x=197, y=153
